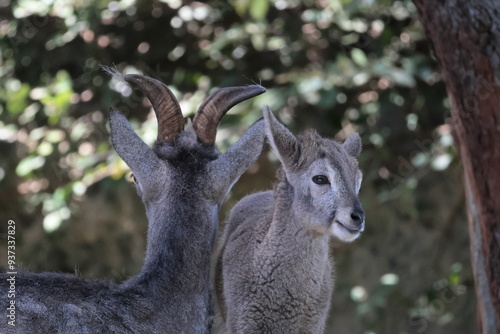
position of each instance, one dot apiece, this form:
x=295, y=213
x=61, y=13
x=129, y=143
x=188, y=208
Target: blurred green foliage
x=336, y=65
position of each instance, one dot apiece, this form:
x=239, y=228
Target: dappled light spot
x=29, y=164
x=45, y=148
x=29, y=113
x=53, y=220
x=376, y=139
x=384, y=173
x=38, y=93
x=359, y=57
x=176, y=22
x=400, y=12
x=131, y=10
x=389, y=279
x=433, y=78
x=107, y=17
x=29, y=139
x=32, y=186
x=353, y=114
x=281, y=4
x=75, y=173
x=405, y=37
x=86, y=148
x=63, y=147
x=397, y=99
x=185, y=13
x=114, y=6
x=143, y=47
x=228, y=64
x=79, y=188
x=79, y=131
x=360, y=79
x=411, y=121
x=203, y=44
x=310, y=30
x=54, y=135
x=441, y=161
x=384, y=83
x=97, y=116
x=87, y=35
x=86, y=95
x=376, y=28
x=103, y=41
x=177, y=52
x=420, y=159
x=157, y=12
x=239, y=52
x=369, y=96
x=359, y=294
x=201, y=11
x=341, y=98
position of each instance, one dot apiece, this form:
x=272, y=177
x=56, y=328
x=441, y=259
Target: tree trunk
x=465, y=35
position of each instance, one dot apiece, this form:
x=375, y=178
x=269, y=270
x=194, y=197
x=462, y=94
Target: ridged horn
x=167, y=109
x=215, y=107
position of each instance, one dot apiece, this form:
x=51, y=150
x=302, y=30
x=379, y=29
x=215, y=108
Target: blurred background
x=334, y=65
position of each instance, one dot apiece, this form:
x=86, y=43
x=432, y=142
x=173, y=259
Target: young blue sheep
x=274, y=273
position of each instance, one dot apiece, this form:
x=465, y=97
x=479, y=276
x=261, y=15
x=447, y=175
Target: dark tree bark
x=465, y=35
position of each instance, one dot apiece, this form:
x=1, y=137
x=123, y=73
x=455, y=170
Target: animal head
x=185, y=162
x=325, y=178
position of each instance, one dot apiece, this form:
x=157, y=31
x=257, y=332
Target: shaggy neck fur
x=176, y=226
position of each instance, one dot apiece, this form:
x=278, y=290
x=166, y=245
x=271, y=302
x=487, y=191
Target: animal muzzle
x=352, y=217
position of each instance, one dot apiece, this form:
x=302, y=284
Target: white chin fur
x=342, y=233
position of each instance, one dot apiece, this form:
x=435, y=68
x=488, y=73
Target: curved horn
x=167, y=109
x=215, y=107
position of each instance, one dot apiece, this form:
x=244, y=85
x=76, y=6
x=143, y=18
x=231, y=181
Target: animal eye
x=132, y=176
x=320, y=179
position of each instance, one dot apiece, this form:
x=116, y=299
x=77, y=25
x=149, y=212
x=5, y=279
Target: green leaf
x=359, y=57
x=17, y=99
x=258, y=9
x=241, y=6
x=29, y=164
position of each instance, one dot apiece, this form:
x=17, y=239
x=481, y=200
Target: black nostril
x=358, y=216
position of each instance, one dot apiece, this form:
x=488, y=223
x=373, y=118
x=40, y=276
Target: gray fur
x=182, y=187
x=274, y=273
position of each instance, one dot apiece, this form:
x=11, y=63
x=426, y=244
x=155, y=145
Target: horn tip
x=111, y=71
x=258, y=89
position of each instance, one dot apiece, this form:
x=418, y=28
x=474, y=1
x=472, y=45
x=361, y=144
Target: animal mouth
x=349, y=228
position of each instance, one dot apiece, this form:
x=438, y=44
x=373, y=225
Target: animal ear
x=137, y=155
x=228, y=167
x=282, y=141
x=353, y=145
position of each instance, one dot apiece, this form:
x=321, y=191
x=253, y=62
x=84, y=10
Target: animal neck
x=287, y=224
x=180, y=242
